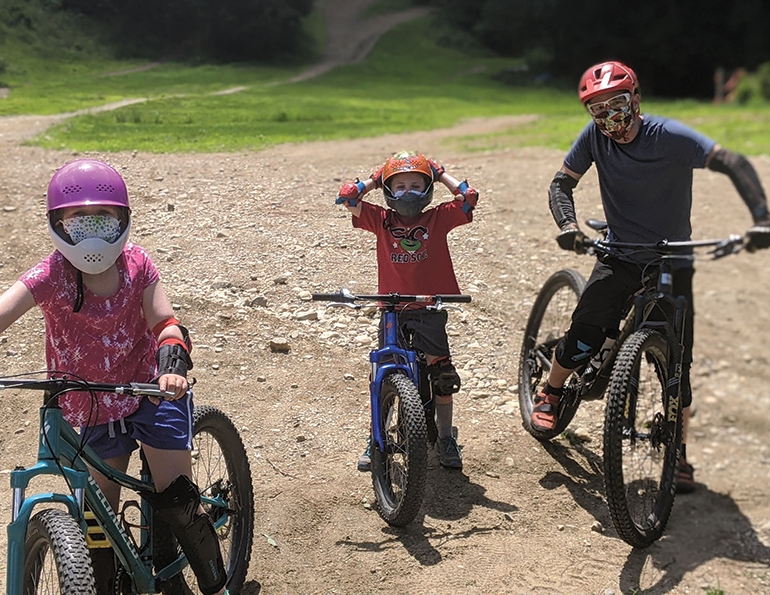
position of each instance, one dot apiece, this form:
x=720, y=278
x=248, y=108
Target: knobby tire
x=549, y=319
x=398, y=474
x=56, y=559
x=220, y=467
x=640, y=456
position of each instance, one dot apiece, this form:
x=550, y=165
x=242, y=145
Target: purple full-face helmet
x=86, y=182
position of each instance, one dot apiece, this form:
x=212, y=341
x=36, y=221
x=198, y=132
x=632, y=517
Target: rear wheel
x=549, y=319
x=641, y=440
x=56, y=559
x=221, y=471
x=398, y=472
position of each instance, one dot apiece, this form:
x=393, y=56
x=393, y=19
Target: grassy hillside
x=409, y=82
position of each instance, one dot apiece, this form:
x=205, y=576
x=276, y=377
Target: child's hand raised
x=349, y=193
x=469, y=193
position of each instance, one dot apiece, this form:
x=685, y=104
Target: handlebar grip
x=331, y=297
x=145, y=386
x=462, y=299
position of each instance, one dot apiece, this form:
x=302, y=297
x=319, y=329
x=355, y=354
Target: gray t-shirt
x=646, y=185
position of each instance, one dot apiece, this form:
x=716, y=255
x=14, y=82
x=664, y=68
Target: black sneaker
x=365, y=460
x=449, y=454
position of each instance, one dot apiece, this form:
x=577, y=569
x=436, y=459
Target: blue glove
x=470, y=194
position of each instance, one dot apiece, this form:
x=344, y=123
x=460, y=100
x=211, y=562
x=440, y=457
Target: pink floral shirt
x=108, y=340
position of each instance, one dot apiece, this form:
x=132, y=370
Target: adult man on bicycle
x=645, y=166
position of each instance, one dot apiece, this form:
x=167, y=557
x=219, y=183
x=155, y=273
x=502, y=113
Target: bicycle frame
x=389, y=358
x=61, y=453
x=393, y=355
x=640, y=307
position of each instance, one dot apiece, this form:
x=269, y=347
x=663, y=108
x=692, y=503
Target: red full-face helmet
x=604, y=77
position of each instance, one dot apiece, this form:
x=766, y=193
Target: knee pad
x=443, y=377
x=177, y=506
x=580, y=343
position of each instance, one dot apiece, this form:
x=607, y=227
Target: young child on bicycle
x=108, y=319
x=413, y=258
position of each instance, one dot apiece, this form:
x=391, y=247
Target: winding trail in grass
x=349, y=39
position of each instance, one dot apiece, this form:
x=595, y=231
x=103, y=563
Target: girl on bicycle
x=413, y=258
x=108, y=319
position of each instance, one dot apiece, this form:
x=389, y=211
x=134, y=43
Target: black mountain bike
x=642, y=366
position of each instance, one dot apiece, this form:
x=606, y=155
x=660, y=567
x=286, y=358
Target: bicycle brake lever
x=731, y=245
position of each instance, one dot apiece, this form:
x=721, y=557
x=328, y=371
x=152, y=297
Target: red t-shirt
x=413, y=254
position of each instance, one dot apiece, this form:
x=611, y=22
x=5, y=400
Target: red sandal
x=545, y=413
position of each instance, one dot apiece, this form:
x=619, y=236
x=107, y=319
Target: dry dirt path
x=232, y=231
x=518, y=520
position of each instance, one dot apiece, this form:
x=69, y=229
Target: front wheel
x=56, y=559
x=398, y=472
x=641, y=440
x=221, y=471
x=549, y=319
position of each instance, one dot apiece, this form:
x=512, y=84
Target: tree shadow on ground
x=583, y=477
x=704, y=526
x=450, y=495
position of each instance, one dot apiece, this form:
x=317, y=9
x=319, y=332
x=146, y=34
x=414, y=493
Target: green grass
x=407, y=83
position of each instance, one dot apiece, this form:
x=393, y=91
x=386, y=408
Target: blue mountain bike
x=401, y=418
x=50, y=534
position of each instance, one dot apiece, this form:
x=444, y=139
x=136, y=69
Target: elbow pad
x=560, y=199
x=744, y=178
x=173, y=358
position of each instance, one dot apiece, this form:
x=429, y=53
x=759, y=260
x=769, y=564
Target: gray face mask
x=409, y=203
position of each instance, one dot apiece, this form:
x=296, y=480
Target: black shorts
x=609, y=288
x=427, y=329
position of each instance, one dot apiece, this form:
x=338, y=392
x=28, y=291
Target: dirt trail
x=232, y=231
x=522, y=518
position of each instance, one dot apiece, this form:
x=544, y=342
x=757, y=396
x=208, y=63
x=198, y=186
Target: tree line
x=674, y=45
x=226, y=30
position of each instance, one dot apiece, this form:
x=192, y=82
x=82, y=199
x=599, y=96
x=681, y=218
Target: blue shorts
x=168, y=426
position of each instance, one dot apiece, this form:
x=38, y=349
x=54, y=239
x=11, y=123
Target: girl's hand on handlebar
x=172, y=383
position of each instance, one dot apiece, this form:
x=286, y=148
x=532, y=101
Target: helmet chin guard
x=409, y=204
x=92, y=255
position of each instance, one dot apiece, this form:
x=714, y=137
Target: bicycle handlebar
x=720, y=247
x=346, y=296
x=63, y=384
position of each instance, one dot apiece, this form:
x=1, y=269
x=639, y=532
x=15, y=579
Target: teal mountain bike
x=51, y=533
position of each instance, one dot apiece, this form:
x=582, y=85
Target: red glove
x=377, y=177
x=349, y=193
x=436, y=169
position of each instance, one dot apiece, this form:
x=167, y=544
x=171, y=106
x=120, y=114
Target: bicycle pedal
x=95, y=536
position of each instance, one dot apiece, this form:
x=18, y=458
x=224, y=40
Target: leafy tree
x=674, y=45
x=224, y=29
